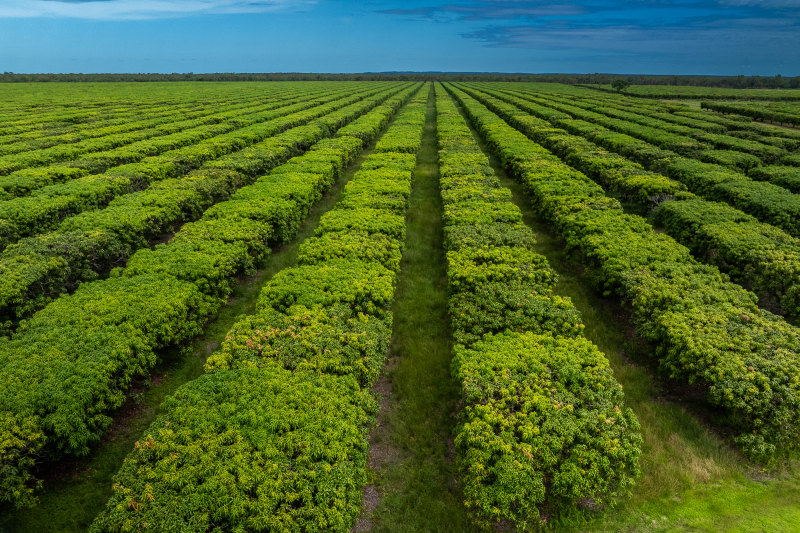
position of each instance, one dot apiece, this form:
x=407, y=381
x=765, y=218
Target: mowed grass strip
x=412, y=445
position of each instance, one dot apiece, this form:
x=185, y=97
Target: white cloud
x=764, y=3
x=140, y=9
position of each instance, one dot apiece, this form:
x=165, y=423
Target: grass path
x=410, y=449
x=78, y=488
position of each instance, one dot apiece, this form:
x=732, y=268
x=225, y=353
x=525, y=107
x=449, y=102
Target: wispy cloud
x=140, y=9
x=763, y=3
x=492, y=9
x=615, y=24
x=640, y=38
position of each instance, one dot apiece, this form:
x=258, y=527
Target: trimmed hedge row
x=38, y=269
x=630, y=180
x=789, y=116
x=704, y=328
x=66, y=152
x=792, y=160
x=46, y=207
x=703, y=123
x=694, y=92
x=737, y=122
x=404, y=137
x=167, y=136
x=765, y=201
x=737, y=126
x=16, y=160
x=747, y=129
x=37, y=120
x=68, y=366
x=108, y=110
x=543, y=425
x=291, y=454
x=257, y=449
x=782, y=176
x=124, y=122
x=646, y=125
x=756, y=255
x=730, y=159
x=34, y=122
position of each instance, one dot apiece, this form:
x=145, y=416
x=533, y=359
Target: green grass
x=730, y=506
x=77, y=489
x=416, y=477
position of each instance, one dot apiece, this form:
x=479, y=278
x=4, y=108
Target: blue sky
x=655, y=37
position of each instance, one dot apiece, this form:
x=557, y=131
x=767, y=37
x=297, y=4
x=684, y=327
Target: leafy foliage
x=705, y=328
x=543, y=428
x=273, y=436
x=755, y=254
x=89, y=245
x=69, y=365
x=266, y=449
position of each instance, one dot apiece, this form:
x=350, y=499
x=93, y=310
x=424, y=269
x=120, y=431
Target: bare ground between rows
x=411, y=450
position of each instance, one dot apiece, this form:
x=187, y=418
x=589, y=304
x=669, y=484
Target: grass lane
x=411, y=448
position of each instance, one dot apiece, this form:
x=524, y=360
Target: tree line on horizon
x=734, y=82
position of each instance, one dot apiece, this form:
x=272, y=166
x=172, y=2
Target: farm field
x=692, y=92
x=398, y=306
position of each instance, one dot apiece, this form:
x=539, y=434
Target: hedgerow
x=704, y=328
x=46, y=207
x=783, y=176
x=543, y=427
x=766, y=201
x=757, y=255
x=782, y=113
x=69, y=366
x=649, y=127
x=105, y=237
x=297, y=375
x=262, y=449
x=165, y=133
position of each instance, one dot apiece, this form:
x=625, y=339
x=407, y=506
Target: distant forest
x=733, y=82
